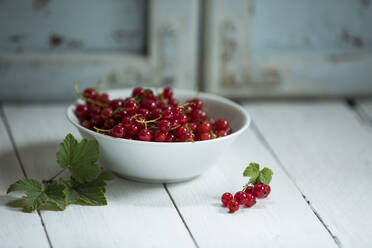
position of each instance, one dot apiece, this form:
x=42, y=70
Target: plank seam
x=179, y=213
x=11, y=138
x=362, y=116
x=276, y=158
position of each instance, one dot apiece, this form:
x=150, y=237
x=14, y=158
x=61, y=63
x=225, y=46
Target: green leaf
x=66, y=151
x=92, y=193
x=73, y=154
x=252, y=171
x=265, y=175
x=105, y=175
x=87, y=153
x=55, y=192
x=85, y=172
x=25, y=185
x=50, y=206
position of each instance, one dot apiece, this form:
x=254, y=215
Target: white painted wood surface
x=365, y=108
x=284, y=219
x=318, y=149
x=137, y=215
x=326, y=150
x=17, y=229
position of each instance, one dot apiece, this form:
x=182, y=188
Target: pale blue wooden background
x=120, y=27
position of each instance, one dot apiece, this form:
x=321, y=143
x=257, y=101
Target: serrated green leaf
x=33, y=200
x=66, y=151
x=72, y=154
x=87, y=153
x=91, y=193
x=56, y=195
x=50, y=206
x=252, y=171
x=18, y=203
x=25, y=185
x=265, y=175
x=85, y=172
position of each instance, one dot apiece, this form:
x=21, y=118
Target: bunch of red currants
x=245, y=197
x=147, y=116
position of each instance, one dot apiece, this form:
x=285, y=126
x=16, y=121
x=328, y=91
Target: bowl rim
x=247, y=117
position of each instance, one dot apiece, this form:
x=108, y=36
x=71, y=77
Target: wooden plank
x=137, y=215
x=284, y=219
x=327, y=151
x=17, y=229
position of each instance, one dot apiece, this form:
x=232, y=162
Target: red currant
x=159, y=136
x=240, y=197
x=106, y=113
x=205, y=127
x=226, y=198
x=249, y=190
x=205, y=136
x=118, y=131
x=137, y=92
x=82, y=111
x=221, y=124
x=90, y=93
x=145, y=135
x=251, y=200
x=261, y=190
x=233, y=206
x=109, y=123
x=167, y=93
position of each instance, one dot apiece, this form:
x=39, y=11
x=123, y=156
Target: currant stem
x=54, y=177
x=102, y=130
x=88, y=99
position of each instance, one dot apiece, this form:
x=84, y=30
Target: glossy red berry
x=145, y=135
x=261, y=190
x=249, y=190
x=197, y=103
x=205, y=127
x=132, y=129
x=116, y=103
x=82, y=111
x=159, y=136
x=168, y=114
x=173, y=102
x=170, y=137
x=167, y=93
x=90, y=93
x=138, y=92
x=109, y=123
x=221, y=133
x=118, y=131
x=106, y=113
x=205, y=136
x=226, y=198
x=251, y=200
x=97, y=121
x=240, y=197
x=233, y=206
x=164, y=125
x=221, y=124
x=104, y=98
x=86, y=124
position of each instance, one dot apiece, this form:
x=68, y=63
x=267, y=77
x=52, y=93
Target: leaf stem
x=54, y=177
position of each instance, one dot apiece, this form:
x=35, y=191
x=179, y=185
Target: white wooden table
x=320, y=152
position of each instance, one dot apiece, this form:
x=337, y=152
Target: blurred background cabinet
x=240, y=48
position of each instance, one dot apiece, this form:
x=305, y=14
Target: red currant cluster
x=257, y=187
x=245, y=197
x=149, y=117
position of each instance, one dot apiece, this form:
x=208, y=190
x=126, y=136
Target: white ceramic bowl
x=167, y=162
